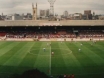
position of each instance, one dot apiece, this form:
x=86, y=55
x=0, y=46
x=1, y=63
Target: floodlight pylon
x=51, y=7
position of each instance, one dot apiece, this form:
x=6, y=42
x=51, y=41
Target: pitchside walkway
x=51, y=39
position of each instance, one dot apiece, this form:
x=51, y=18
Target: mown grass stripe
x=56, y=65
x=92, y=66
x=90, y=53
x=15, y=61
x=28, y=60
x=1, y=43
x=18, y=56
x=7, y=48
x=10, y=53
x=75, y=63
x=84, y=60
x=97, y=49
x=25, y=63
x=42, y=62
x=5, y=44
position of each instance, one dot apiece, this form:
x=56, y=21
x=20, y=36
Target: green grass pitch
x=17, y=57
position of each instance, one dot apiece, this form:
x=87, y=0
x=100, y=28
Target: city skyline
x=25, y=6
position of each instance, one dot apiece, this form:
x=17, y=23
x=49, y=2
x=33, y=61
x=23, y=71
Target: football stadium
x=60, y=49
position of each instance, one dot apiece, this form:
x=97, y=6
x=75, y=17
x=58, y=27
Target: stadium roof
x=53, y=23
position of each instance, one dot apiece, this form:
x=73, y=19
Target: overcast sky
x=72, y=6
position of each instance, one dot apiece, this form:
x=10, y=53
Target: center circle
x=57, y=52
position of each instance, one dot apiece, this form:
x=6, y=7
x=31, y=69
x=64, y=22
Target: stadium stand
x=51, y=33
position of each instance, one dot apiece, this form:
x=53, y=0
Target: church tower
x=34, y=17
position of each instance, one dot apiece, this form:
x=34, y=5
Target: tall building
x=2, y=14
x=1, y=18
x=34, y=17
x=86, y=12
x=65, y=14
x=47, y=13
x=44, y=13
x=16, y=17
